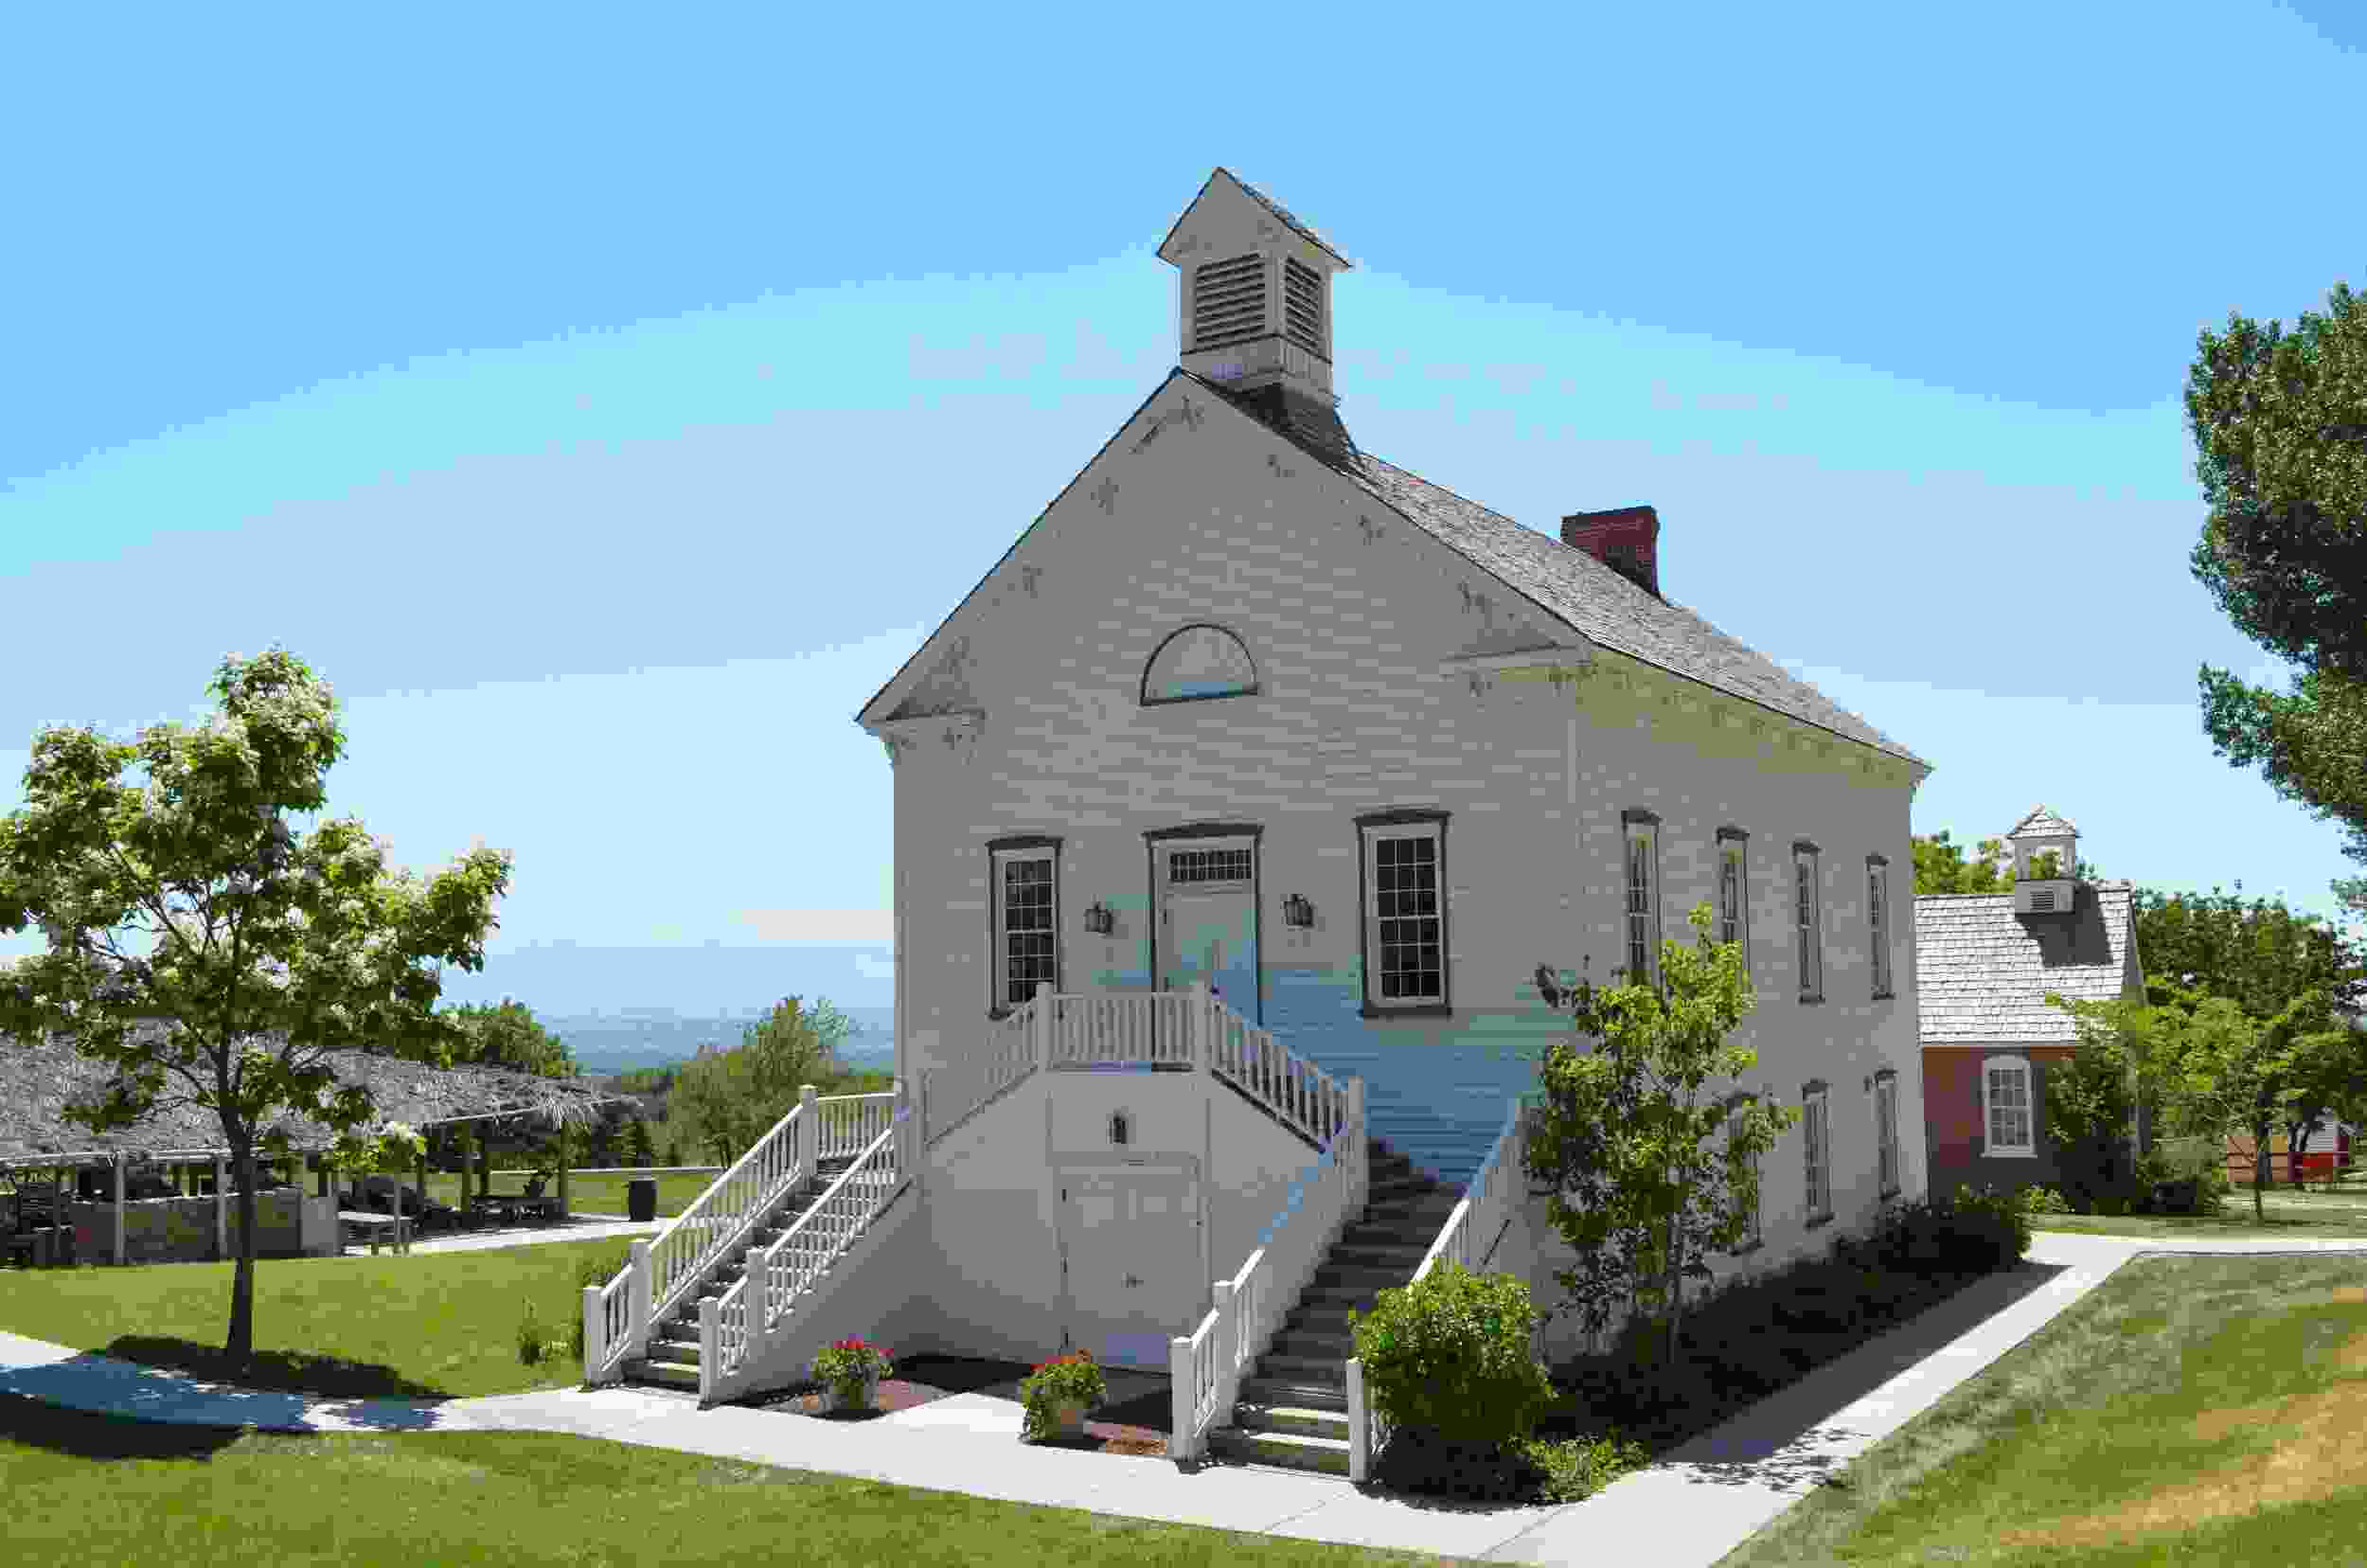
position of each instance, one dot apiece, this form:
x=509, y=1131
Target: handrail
x=813, y=1242
x=1302, y=1094
x=1012, y=1053
x=1205, y=1368
x=1477, y=1223
x=772, y=1165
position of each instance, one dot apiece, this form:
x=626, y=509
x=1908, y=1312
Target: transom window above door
x=1208, y=865
x=1198, y=663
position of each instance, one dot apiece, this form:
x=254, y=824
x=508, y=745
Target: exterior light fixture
x=1297, y=911
x=1099, y=920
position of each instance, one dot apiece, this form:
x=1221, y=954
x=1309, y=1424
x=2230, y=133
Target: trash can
x=641, y=1199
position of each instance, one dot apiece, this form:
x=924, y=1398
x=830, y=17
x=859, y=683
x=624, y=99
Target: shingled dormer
x=1254, y=297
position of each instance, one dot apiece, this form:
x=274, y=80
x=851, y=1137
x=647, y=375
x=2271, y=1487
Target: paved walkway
x=1692, y=1508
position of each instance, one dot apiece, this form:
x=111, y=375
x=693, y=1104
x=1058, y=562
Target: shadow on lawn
x=88, y=1435
x=278, y=1371
x=1773, y=1442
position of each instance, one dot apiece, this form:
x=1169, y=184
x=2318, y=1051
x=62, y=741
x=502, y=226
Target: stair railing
x=1016, y=1045
x=1205, y=1368
x=1469, y=1238
x=1300, y=1094
x=733, y=1326
x=851, y=1123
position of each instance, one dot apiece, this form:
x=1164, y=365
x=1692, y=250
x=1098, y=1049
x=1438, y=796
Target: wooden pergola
x=39, y=1080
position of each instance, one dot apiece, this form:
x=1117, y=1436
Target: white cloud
x=821, y=925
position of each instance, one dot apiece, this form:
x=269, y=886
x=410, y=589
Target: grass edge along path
x=2144, y=1424
x=92, y=1488
x=425, y=1327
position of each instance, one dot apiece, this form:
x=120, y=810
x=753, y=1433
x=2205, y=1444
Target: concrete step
x=1314, y=1371
x=666, y=1374
x=1313, y=1345
x=1371, y=1279
x=1302, y=1420
x=1296, y=1394
x=1402, y=1256
x=1289, y=1449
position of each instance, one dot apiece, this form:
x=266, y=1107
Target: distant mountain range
x=607, y=1043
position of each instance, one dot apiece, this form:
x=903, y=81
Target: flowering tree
x=256, y=930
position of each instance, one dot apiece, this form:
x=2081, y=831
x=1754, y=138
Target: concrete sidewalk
x=1693, y=1508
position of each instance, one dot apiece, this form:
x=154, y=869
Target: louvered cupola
x=1256, y=292
x=2045, y=848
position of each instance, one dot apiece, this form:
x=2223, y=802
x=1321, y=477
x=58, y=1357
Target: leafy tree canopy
x=254, y=930
x=2279, y=421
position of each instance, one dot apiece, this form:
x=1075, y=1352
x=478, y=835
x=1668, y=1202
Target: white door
x=1130, y=1247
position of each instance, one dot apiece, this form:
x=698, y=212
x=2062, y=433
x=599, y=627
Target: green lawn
x=423, y=1326
x=86, y=1489
x=2285, y=1212
x=2194, y=1409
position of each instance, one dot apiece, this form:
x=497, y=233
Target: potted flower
x=1059, y=1392
x=850, y=1369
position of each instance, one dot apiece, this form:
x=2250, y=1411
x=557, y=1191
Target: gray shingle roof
x=2041, y=822
x=1297, y=225
x=1982, y=972
x=1583, y=592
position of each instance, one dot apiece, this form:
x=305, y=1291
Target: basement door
x=1130, y=1258
x=1208, y=918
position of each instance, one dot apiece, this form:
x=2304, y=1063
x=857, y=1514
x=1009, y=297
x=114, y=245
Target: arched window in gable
x=1196, y=663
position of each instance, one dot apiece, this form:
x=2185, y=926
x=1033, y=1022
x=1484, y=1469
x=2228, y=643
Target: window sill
x=1421, y=1010
x=2009, y=1154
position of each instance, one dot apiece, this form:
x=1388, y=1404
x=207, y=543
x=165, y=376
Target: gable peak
x=1254, y=293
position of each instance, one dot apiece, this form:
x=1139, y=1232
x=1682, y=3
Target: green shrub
x=531, y=1343
x=2043, y=1200
x=1451, y=1355
x=1970, y=1231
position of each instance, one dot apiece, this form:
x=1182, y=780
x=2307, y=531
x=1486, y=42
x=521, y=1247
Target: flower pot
x=853, y=1393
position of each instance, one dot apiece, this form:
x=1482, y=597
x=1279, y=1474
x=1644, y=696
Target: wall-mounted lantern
x=1297, y=911
x=1099, y=920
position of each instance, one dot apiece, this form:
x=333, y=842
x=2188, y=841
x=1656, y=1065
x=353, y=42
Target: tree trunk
x=239, y=1348
x=2259, y=1167
x=1676, y=1288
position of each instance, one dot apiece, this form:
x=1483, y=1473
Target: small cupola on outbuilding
x=2046, y=858
x=1255, y=295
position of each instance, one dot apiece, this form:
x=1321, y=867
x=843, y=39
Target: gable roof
x=2041, y=822
x=1289, y=219
x=1567, y=584
x=1982, y=972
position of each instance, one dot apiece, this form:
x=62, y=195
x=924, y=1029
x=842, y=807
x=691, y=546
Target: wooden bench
x=361, y=1225
x=507, y=1206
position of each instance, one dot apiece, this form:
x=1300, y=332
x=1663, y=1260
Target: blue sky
x=608, y=409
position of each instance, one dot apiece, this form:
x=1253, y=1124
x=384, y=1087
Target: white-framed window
x=1808, y=920
x=1817, y=1135
x=1642, y=911
x=2008, y=1107
x=1405, y=909
x=1877, y=904
x=1886, y=1128
x=1734, y=890
x=1024, y=919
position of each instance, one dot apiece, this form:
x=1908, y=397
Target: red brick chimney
x=1626, y=538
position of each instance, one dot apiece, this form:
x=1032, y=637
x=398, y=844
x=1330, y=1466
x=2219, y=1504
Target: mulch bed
x=1136, y=1425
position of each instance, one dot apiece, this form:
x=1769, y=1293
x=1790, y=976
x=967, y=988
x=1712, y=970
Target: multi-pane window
x=1027, y=920
x=1817, y=1130
x=1886, y=1127
x=1642, y=897
x=1734, y=890
x=1755, y=1233
x=1208, y=865
x=2006, y=1108
x=1808, y=920
x=1877, y=905
x=1405, y=922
